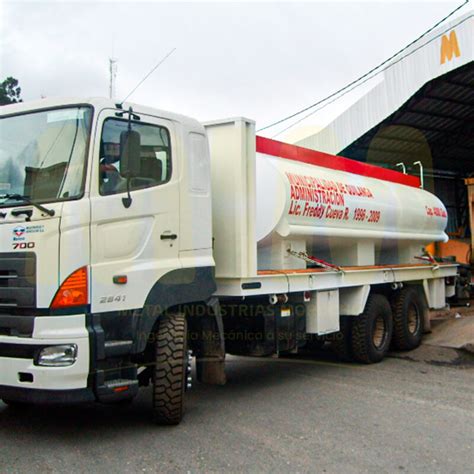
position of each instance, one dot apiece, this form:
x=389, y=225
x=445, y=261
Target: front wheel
x=171, y=369
x=372, y=330
x=13, y=403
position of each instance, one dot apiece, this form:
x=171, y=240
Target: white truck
x=133, y=239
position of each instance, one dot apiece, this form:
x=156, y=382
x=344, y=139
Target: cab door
x=133, y=247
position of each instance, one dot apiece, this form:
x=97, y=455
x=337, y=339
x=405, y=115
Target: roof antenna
x=119, y=105
x=112, y=76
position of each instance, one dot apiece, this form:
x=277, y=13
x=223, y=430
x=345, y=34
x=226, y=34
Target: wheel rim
x=413, y=319
x=379, y=332
x=188, y=380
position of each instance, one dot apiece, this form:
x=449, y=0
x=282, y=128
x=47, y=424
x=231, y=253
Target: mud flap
x=210, y=361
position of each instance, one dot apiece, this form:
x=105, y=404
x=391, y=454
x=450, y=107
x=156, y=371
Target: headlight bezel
x=60, y=355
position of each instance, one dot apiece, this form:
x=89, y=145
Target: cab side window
x=155, y=157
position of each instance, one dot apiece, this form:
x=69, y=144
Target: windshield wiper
x=27, y=200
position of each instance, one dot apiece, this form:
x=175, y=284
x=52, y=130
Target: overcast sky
x=260, y=60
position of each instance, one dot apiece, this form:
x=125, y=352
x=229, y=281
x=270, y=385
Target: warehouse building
x=420, y=112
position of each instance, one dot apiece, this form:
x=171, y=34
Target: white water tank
x=341, y=217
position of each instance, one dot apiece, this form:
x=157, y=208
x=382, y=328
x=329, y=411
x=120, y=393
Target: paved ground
x=456, y=332
x=410, y=414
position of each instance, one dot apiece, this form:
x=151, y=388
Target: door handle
x=25, y=212
x=168, y=237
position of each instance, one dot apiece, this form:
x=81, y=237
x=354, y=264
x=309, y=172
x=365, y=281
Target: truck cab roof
x=99, y=103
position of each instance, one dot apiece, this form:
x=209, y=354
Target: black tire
x=407, y=311
x=341, y=343
x=314, y=343
x=372, y=331
x=124, y=402
x=170, y=371
x=14, y=403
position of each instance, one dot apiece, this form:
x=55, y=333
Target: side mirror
x=129, y=153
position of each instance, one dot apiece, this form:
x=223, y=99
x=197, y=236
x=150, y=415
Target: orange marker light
x=73, y=291
x=120, y=279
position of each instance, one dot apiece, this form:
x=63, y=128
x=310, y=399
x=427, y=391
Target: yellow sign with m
x=449, y=47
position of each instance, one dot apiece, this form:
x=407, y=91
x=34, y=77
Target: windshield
x=43, y=154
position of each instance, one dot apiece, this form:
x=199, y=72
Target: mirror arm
x=131, y=114
x=127, y=201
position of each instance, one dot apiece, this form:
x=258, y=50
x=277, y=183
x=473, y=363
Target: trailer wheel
x=372, y=330
x=170, y=371
x=341, y=343
x=407, y=311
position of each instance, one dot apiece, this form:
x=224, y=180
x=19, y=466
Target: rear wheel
x=341, y=343
x=314, y=343
x=171, y=368
x=372, y=330
x=407, y=319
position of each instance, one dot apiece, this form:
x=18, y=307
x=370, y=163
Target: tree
x=10, y=91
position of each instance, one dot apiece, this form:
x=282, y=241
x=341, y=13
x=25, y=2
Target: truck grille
x=17, y=280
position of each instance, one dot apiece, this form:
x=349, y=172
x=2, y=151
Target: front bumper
x=22, y=380
x=46, y=397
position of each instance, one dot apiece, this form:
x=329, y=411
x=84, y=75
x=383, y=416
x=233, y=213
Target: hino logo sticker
x=19, y=230
x=19, y=233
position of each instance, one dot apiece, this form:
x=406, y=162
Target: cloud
x=262, y=60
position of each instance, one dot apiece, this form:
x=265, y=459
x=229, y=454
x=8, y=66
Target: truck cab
x=87, y=244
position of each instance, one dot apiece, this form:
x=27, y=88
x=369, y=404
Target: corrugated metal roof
x=424, y=108
x=432, y=118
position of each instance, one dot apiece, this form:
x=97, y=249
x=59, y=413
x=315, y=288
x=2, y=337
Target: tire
x=14, y=403
x=341, y=345
x=407, y=311
x=124, y=402
x=314, y=343
x=170, y=371
x=372, y=331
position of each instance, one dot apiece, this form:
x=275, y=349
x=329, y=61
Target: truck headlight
x=57, y=356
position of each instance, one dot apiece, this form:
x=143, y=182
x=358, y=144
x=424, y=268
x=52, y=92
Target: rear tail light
x=73, y=291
